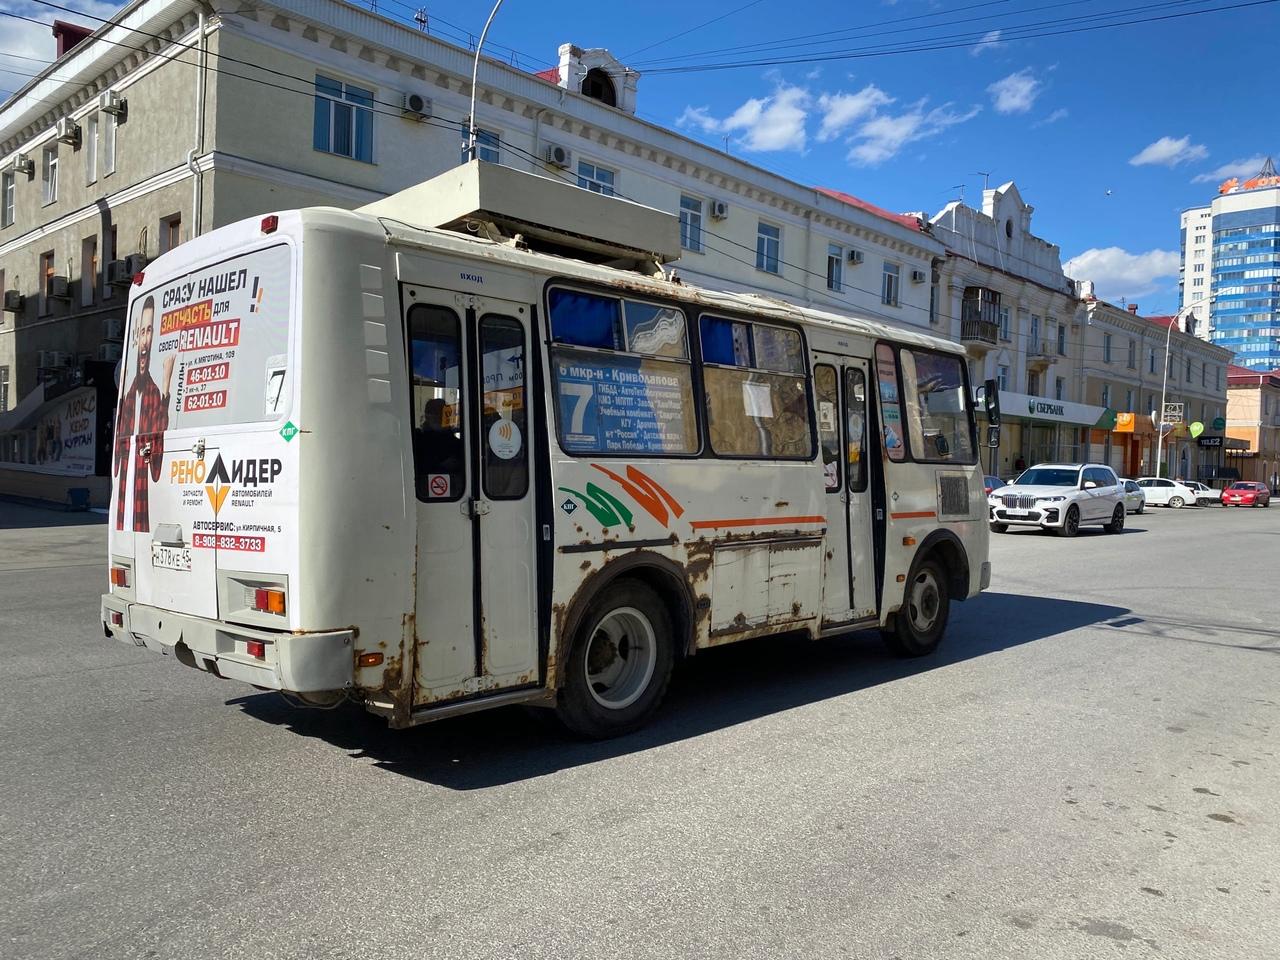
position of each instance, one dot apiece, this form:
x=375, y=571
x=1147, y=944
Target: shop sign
x=1210, y=441
x=1056, y=411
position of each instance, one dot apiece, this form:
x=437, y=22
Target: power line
x=696, y=27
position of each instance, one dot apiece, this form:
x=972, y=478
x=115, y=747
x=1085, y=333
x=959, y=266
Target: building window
x=691, y=223
x=835, y=267
x=1151, y=361
x=46, y=280
x=1133, y=353
x=108, y=151
x=1002, y=377
x=1128, y=400
x=1062, y=340
x=170, y=233
x=1198, y=282
x=1189, y=366
x=343, y=119
x=891, y=284
x=4, y=388
x=7, y=189
x=768, y=247
x=108, y=254
x=49, y=174
x=1199, y=268
x=1106, y=348
x=1106, y=394
x=1004, y=323
x=91, y=148
x=1035, y=335
x=1204, y=375
x=88, y=270
x=488, y=144
x=1059, y=386
x=597, y=85
x=1217, y=373
x=596, y=178
x=1033, y=383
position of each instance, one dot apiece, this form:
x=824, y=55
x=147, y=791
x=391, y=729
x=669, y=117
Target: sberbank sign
x=1043, y=406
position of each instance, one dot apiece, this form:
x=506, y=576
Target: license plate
x=170, y=558
x=1017, y=513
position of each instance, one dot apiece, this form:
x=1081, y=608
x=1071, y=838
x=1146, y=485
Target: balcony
x=1040, y=356
x=984, y=332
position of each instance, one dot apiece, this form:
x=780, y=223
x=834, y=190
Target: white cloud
x=1118, y=274
x=1168, y=152
x=989, y=41
x=1236, y=168
x=881, y=137
x=1060, y=114
x=842, y=110
x=1015, y=93
x=775, y=122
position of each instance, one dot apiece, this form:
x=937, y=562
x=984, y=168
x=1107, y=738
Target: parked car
x=1167, y=493
x=1205, y=495
x=990, y=483
x=1135, y=501
x=1246, y=493
x=1060, y=497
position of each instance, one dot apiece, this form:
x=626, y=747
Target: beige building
x=1253, y=420
x=178, y=117
x=1123, y=369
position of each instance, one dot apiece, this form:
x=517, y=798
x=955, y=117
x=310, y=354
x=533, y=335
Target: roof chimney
x=1133, y=308
x=68, y=35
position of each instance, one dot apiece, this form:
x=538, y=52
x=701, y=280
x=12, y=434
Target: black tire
x=1070, y=523
x=999, y=527
x=919, y=624
x=1117, y=521
x=613, y=635
x=1139, y=511
x=1176, y=502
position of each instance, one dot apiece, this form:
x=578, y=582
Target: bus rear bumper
x=291, y=662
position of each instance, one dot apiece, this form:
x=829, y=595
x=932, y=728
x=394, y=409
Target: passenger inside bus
x=437, y=451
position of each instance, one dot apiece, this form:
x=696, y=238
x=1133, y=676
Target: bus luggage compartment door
x=476, y=610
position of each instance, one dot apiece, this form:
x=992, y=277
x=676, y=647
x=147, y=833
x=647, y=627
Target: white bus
x=471, y=446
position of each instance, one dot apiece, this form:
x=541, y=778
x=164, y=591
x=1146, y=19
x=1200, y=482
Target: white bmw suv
x=1060, y=497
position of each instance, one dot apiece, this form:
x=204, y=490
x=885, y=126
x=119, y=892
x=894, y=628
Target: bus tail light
x=369, y=660
x=117, y=618
x=119, y=576
x=268, y=601
x=269, y=224
x=256, y=649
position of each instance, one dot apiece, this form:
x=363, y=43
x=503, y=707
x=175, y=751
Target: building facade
x=1253, y=419
x=1124, y=360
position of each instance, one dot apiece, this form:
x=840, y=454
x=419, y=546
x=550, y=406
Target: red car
x=1244, y=493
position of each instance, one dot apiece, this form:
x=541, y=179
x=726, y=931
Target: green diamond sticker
x=288, y=431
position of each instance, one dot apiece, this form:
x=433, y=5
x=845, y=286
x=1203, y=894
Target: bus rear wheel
x=620, y=663
x=919, y=624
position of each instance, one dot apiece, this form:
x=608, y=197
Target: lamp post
x=475, y=72
x=1164, y=383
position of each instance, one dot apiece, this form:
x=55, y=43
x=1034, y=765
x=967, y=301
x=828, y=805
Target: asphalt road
x=1087, y=769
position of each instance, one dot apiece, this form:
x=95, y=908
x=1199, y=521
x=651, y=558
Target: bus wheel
x=620, y=663
x=919, y=625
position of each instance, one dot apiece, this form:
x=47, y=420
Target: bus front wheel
x=918, y=626
x=620, y=663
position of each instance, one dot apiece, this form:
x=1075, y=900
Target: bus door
x=473, y=493
x=840, y=388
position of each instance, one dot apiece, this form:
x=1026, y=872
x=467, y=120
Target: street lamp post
x=475, y=72
x=1164, y=383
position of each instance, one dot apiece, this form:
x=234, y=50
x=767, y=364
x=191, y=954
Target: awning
x=26, y=412
x=1026, y=407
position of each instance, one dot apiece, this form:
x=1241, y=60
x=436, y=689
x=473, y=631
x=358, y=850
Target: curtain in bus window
x=936, y=412
x=505, y=423
x=827, y=394
x=585, y=319
x=890, y=408
x=726, y=341
x=855, y=407
x=435, y=355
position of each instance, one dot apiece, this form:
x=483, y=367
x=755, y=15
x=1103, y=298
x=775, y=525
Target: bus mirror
x=993, y=436
x=991, y=399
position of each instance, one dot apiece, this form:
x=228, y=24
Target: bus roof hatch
x=550, y=214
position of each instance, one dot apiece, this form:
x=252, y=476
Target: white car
x=1135, y=501
x=1060, y=497
x=1161, y=492
x=1205, y=495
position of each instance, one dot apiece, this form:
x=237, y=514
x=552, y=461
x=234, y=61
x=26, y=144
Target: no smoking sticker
x=438, y=484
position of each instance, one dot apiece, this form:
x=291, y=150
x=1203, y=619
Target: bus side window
x=890, y=405
x=828, y=397
x=435, y=354
x=506, y=430
x=855, y=414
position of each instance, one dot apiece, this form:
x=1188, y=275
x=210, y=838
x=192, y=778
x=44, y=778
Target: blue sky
x=1109, y=134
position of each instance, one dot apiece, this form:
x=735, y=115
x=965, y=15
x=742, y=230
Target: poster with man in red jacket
x=140, y=426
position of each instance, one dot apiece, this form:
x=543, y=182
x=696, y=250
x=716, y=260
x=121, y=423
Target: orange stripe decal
x=917, y=515
x=753, y=522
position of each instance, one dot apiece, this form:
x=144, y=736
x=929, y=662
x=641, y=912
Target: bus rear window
x=622, y=376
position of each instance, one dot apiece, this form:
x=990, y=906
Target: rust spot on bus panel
x=782, y=503
x=585, y=565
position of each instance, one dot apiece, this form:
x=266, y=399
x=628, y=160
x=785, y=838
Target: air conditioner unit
x=111, y=102
x=719, y=210
x=13, y=301
x=57, y=288
x=46, y=359
x=414, y=106
x=117, y=274
x=24, y=164
x=113, y=328
x=67, y=131
x=919, y=276
x=110, y=352
x=856, y=257
x=134, y=263
x=556, y=155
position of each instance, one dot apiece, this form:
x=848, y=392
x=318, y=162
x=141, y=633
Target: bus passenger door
x=859, y=478
x=476, y=617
